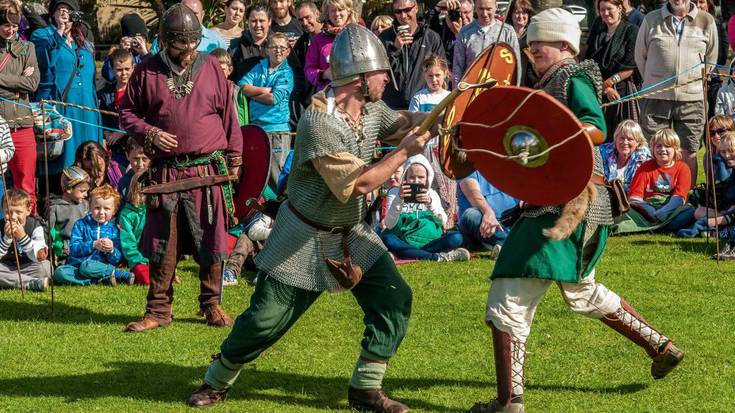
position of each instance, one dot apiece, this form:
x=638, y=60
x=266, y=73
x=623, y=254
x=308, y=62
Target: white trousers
x=512, y=302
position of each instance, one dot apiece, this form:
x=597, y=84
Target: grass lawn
x=83, y=362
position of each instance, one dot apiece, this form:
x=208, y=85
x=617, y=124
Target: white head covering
x=555, y=25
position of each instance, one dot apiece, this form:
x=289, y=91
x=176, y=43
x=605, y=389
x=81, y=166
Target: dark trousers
x=161, y=290
x=383, y=295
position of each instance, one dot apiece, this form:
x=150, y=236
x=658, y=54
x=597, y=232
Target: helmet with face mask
x=179, y=23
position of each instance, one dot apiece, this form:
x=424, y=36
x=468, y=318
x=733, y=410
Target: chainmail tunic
x=295, y=251
x=600, y=210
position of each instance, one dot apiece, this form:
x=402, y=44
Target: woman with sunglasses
x=717, y=126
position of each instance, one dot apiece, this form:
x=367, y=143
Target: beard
x=374, y=94
x=183, y=58
x=280, y=13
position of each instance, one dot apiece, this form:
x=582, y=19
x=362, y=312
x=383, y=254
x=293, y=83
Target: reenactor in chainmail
x=561, y=244
x=320, y=241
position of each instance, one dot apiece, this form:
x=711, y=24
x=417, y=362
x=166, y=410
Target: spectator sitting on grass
x=622, y=157
x=132, y=221
x=94, y=251
x=415, y=220
x=65, y=211
x=24, y=233
x=661, y=186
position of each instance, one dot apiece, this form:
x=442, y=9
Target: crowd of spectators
x=277, y=55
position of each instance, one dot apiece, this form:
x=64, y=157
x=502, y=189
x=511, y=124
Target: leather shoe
x=373, y=400
x=206, y=396
x=147, y=323
x=215, y=316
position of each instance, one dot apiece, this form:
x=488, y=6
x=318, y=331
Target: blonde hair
x=668, y=137
x=721, y=121
x=633, y=129
x=340, y=4
x=16, y=197
x=727, y=140
x=383, y=19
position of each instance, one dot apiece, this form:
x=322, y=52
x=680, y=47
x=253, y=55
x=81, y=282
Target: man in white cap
x=561, y=244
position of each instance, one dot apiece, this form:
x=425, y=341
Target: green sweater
x=132, y=221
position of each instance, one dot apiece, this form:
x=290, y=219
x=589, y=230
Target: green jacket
x=132, y=221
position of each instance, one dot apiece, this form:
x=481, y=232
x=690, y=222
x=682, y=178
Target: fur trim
x=572, y=214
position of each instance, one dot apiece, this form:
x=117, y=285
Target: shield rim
x=242, y=209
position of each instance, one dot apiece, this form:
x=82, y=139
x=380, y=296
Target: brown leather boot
x=216, y=317
x=660, y=348
x=206, y=396
x=373, y=401
x=147, y=323
x=510, y=360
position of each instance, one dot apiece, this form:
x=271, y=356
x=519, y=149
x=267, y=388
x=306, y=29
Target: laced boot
x=660, y=348
x=510, y=360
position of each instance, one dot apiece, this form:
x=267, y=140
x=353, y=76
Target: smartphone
x=415, y=190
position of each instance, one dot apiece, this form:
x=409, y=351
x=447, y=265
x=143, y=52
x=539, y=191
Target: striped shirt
x=7, y=149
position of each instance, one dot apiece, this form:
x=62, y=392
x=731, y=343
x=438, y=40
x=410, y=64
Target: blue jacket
x=275, y=117
x=86, y=231
x=59, y=63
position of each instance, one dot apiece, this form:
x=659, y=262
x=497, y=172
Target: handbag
x=620, y=204
x=51, y=130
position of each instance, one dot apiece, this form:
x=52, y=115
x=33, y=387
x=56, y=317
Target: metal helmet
x=73, y=176
x=180, y=22
x=356, y=51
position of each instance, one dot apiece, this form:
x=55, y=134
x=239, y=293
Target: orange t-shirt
x=651, y=179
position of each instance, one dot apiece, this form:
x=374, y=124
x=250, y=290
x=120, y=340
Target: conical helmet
x=73, y=176
x=180, y=22
x=356, y=50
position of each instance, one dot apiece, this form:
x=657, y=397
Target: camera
x=403, y=28
x=134, y=42
x=415, y=190
x=454, y=15
x=75, y=16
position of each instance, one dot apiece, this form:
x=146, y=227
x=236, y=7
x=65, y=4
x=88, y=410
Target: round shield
x=545, y=177
x=499, y=63
x=256, y=161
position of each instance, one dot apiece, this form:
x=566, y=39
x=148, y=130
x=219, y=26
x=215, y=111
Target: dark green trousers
x=383, y=295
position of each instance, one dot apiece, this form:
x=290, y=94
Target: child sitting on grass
x=132, y=221
x=415, y=220
x=661, y=186
x=95, y=244
x=30, y=241
x=65, y=211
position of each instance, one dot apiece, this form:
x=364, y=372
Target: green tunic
x=527, y=253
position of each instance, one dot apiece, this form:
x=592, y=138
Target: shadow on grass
x=161, y=382
x=684, y=244
x=69, y=314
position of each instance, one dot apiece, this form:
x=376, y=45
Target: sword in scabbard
x=187, y=184
x=439, y=108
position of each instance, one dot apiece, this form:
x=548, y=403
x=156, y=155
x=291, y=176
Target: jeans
x=469, y=226
x=402, y=249
x=89, y=272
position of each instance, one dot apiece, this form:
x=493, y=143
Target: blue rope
x=54, y=116
x=668, y=79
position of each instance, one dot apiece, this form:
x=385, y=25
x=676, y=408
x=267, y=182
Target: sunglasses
x=719, y=131
x=403, y=11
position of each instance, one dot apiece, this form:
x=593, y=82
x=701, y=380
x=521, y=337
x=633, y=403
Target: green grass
x=82, y=361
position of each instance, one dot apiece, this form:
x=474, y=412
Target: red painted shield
x=256, y=159
x=555, y=178
x=499, y=63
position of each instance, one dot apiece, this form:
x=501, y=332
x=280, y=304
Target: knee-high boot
x=660, y=348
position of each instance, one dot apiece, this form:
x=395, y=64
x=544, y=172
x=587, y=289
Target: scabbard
x=186, y=184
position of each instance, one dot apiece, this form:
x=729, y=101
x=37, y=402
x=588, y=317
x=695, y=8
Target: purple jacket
x=317, y=60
